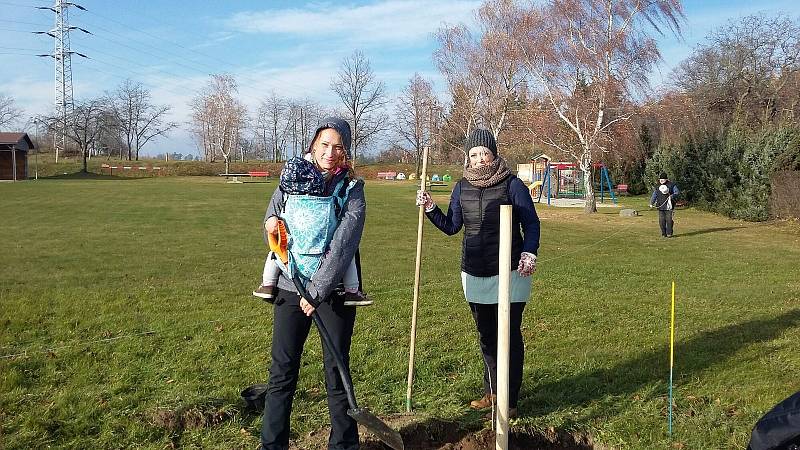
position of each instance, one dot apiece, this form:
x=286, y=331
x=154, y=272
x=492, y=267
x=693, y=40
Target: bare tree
x=137, y=119
x=586, y=57
x=274, y=121
x=748, y=68
x=84, y=126
x=458, y=60
x=363, y=97
x=9, y=113
x=483, y=70
x=415, y=113
x=218, y=118
x=306, y=115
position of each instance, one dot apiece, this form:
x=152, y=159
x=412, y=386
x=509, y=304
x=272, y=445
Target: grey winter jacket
x=344, y=244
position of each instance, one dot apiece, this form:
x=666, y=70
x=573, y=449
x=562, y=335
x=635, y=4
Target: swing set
x=562, y=179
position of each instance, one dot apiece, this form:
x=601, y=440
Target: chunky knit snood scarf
x=489, y=175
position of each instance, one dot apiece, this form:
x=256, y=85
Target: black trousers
x=486, y=321
x=289, y=333
x=665, y=221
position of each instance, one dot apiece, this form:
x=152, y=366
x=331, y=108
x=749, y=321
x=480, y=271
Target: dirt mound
x=436, y=434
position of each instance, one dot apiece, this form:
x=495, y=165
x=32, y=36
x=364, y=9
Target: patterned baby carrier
x=311, y=221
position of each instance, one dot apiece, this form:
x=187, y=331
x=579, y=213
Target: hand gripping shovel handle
x=326, y=339
x=361, y=415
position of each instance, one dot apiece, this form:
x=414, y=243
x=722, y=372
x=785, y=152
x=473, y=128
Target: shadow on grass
x=707, y=230
x=693, y=355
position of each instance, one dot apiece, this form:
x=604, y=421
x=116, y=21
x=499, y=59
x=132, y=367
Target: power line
x=186, y=91
x=133, y=62
x=15, y=31
x=213, y=68
x=253, y=83
x=137, y=49
x=16, y=4
x=26, y=23
x=22, y=49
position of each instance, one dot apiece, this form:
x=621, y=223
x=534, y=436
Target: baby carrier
x=310, y=223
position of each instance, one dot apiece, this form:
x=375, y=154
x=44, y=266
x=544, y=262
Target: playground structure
x=562, y=179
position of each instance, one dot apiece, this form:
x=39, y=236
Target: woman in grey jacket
x=330, y=148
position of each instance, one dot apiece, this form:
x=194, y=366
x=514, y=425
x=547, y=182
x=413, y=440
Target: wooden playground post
x=503, y=329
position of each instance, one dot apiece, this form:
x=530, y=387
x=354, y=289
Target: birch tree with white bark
x=587, y=58
x=218, y=118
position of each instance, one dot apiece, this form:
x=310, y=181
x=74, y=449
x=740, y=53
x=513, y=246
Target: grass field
x=127, y=320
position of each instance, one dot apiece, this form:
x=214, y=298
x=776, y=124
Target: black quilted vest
x=480, y=208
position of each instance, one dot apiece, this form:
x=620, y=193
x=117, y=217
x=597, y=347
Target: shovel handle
x=344, y=373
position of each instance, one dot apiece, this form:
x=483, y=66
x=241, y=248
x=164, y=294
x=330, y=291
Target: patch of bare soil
x=193, y=417
x=435, y=434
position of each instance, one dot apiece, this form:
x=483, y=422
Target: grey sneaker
x=356, y=299
x=265, y=292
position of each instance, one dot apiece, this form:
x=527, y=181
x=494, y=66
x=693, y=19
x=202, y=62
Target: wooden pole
x=14, y=161
x=417, y=268
x=671, y=354
x=503, y=330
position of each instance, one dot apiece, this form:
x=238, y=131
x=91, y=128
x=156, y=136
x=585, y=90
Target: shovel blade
x=377, y=427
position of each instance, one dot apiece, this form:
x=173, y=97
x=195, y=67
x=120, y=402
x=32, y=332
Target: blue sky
x=291, y=47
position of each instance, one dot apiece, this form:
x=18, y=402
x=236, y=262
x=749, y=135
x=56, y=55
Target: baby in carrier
x=301, y=180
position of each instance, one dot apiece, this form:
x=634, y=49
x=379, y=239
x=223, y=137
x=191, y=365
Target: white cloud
x=401, y=21
x=32, y=96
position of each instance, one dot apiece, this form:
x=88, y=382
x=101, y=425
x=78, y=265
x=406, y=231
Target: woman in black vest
x=475, y=205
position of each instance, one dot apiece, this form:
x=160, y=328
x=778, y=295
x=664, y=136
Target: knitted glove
x=527, y=264
x=424, y=199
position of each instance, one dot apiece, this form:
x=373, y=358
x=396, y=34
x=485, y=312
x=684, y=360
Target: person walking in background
x=475, y=205
x=663, y=198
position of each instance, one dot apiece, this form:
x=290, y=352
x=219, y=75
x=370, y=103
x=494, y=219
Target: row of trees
x=563, y=77
x=567, y=77
x=281, y=127
x=731, y=119
x=122, y=122
x=559, y=75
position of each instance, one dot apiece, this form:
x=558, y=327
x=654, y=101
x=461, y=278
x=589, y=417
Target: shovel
x=361, y=415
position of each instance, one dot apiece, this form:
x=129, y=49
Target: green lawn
x=127, y=319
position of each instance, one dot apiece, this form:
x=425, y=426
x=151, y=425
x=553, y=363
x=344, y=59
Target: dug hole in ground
x=420, y=433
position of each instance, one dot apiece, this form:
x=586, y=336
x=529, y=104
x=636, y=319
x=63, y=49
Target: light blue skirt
x=484, y=289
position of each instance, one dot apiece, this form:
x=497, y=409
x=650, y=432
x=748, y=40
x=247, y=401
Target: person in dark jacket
x=475, y=206
x=330, y=149
x=663, y=198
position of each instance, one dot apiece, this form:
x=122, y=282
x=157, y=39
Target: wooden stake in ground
x=423, y=186
x=671, y=353
x=503, y=330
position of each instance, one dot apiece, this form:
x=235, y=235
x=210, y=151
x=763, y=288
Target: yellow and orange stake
x=671, y=354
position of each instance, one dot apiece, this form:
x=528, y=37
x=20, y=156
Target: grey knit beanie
x=341, y=126
x=481, y=137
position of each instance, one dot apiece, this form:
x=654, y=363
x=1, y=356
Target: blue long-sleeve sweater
x=519, y=197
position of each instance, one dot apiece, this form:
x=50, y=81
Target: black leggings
x=485, y=316
x=289, y=333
